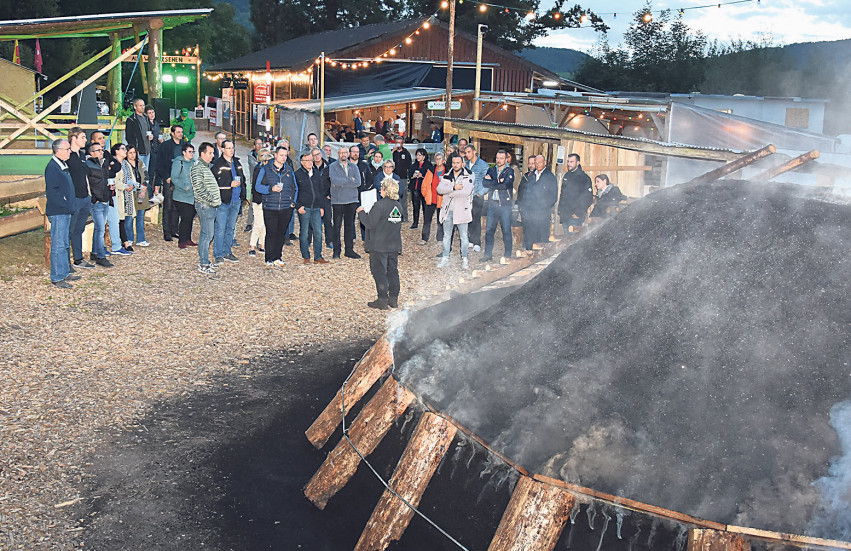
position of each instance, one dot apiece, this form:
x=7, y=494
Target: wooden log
x=733, y=166
x=366, y=432
x=20, y=222
x=790, y=539
x=534, y=519
x=700, y=539
x=789, y=165
x=369, y=369
x=627, y=503
x=418, y=463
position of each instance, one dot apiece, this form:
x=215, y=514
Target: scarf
x=128, y=191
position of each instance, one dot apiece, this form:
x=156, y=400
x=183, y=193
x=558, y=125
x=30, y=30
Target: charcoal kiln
x=679, y=361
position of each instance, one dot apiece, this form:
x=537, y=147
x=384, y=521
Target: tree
x=658, y=55
x=277, y=21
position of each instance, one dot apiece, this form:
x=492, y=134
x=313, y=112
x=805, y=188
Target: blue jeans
x=99, y=214
x=310, y=223
x=291, y=227
x=224, y=228
x=114, y=232
x=207, y=217
x=498, y=215
x=147, y=160
x=447, y=237
x=82, y=207
x=139, y=220
x=60, y=265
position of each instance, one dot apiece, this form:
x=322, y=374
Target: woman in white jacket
x=456, y=186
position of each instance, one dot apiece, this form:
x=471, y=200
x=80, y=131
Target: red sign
x=262, y=93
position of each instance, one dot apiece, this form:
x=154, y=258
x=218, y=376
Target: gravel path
x=81, y=365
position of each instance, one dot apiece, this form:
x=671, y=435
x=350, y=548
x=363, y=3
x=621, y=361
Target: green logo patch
x=395, y=216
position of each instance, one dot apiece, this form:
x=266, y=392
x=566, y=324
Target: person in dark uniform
x=384, y=242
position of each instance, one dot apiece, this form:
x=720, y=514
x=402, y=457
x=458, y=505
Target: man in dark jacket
x=166, y=153
x=499, y=183
x=576, y=195
x=384, y=222
x=82, y=200
x=537, y=196
x=139, y=132
x=403, y=161
x=59, y=189
x=310, y=207
x=228, y=172
x=101, y=201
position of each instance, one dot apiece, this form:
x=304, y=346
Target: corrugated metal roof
x=100, y=24
x=372, y=99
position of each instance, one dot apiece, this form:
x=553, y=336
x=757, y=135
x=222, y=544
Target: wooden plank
x=422, y=455
x=369, y=369
x=21, y=222
x=733, y=166
x=617, y=168
x=21, y=187
x=545, y=133
x=534, y=518
x=701, y=539
x=496, y=137
x=789, y=539
x=366, y=432
x=789, y=165
x=632, y=504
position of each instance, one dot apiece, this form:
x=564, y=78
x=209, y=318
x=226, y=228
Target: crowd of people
x=331, y=193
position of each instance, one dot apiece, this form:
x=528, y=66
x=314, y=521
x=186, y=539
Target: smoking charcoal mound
x=686, y=353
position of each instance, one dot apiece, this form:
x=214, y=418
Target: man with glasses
x=310, y=206
x=59, y=189
x=228, y=172
x=101, y=200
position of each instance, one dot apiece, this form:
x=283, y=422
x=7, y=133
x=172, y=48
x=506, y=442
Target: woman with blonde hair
x=384, y=243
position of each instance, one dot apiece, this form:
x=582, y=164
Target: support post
x=734, y=166
x=534, y=518
x=366, y=432
x=476, y=105
x=423, y=454
x=155, y=56
x=449, y=60
x=701, y=539
x=322, y=100
x=370, y=368
x=142, y=69
x=114, y=79
x=789, y=165
x=198, y=74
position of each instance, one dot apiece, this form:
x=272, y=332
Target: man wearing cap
x=187, y=124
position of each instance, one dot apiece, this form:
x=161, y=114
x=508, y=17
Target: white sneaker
x=278, y=262
x=270, y=264
x=477, y=248
x=469, y=245
x=464, y=264
x=159, y=197
x=444, y=262
x=206, y=269
x=143, y=244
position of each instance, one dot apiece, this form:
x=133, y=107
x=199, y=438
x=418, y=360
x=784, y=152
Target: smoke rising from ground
x=686, y=354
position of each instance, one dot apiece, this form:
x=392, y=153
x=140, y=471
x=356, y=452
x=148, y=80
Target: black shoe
x=71, y=269
x=129, y=248
x=487, y=259
x=352, y=255
x=176, y=235
x=248, y=228
x=83, y=264
x=293, y=236
x=288, y=243
x=393, y=302
x=62, y=284
x=414, y=226
x=378, y=304
x=335, y=255
x=104, y=263
x=167, y=238
x=73, y=277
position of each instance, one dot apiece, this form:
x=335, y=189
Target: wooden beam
x=34, y=121
x=21, y=222
x=734, y=166
x=25, y=119
x=143, y=71
x=643, y=146
x=701, y=539
x=424, y=452
x=616, y=168
x=789, y=539
x=369, y=369
x=632, y=504
x=113, y=80
x=534, y=518
x=788, y=166
x=496, y=137
x=366, y=432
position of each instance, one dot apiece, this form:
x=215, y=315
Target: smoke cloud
x=686, y=353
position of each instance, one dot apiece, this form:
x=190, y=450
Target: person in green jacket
x=187, y=124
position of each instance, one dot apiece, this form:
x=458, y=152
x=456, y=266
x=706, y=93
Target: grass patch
x=8, y=210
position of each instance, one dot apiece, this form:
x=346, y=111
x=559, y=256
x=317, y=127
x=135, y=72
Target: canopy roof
x=77, y=26
x=374, y=99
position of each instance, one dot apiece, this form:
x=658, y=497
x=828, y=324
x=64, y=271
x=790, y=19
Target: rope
x=375, y=472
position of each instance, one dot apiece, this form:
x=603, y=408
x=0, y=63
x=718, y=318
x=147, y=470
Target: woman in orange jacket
x=433, y=200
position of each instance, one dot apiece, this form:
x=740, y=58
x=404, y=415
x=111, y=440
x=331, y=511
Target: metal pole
x=322, y=99
x=476, y=106
x=450, y=59
x=198, y=73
